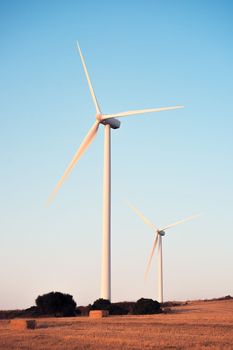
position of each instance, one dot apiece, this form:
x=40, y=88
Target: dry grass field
x=198, y=325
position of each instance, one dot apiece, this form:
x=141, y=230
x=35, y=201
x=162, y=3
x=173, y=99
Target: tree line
x=57, y=304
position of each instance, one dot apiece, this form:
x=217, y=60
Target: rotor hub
x=99, y=117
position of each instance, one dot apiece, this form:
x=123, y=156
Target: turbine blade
x=139, y=111
x=179, y=222
x=89, y=81
x=146, y=221
x=83, y=147
x=151, y=255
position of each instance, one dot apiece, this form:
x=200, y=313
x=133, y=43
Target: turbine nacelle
x=161, y=233
x=113, y=122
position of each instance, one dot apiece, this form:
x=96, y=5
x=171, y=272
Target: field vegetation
x=194, y=325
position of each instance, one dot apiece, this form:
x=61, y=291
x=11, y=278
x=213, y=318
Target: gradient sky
x=140, y=54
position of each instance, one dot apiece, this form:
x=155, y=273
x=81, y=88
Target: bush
x=101, y=304
x=83, y=310
x=56, y=304
x=113, y=309
x=146, y=307
x=125, y=306
x=117, y=309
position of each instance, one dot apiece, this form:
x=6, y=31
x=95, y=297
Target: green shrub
x=146, y=307
x=112, y=308
x=101, y=304
x=56, y=304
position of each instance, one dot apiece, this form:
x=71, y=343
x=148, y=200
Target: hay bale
x=23, y=324
x=98, y=313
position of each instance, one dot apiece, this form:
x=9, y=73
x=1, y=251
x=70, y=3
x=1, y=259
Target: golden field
x=197, y=325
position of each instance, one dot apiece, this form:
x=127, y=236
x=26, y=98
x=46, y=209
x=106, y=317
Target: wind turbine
x=159, y=233
x=110, y=122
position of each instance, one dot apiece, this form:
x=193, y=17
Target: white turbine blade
x=139, y=111
x=151, y=255
x=146, y=221
x=83, y=147
x=179, y=222
x=89, y=81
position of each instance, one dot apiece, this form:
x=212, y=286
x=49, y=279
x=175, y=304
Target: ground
x=197, y=325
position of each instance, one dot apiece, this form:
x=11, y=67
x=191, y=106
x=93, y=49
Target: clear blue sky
x=140, y=54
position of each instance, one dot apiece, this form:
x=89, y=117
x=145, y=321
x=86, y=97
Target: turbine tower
x=110, y=122
x=159, y=233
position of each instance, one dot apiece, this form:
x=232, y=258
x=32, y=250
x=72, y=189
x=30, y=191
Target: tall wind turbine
x=159, y=233
x=110, y=122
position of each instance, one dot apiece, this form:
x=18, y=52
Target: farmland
x=197, y=325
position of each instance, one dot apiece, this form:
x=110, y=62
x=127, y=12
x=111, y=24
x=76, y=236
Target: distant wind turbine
x=159, y=233
x=109, y=121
